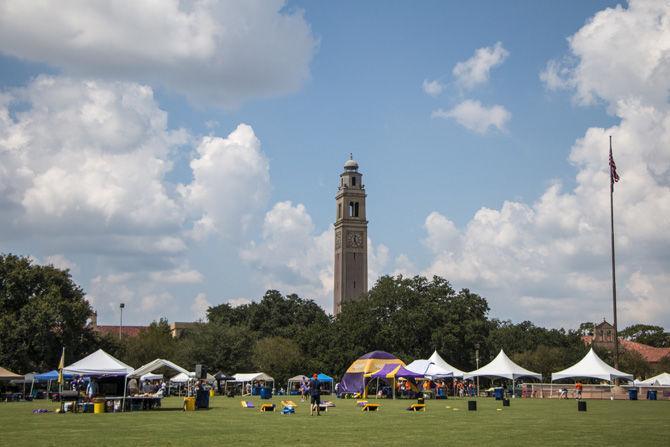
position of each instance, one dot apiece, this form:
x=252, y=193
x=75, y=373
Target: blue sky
x=506, y=209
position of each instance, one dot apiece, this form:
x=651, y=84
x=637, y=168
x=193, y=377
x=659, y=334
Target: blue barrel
x=632, y=394
x=266, y=393
x=651, y=395
x=498, y=393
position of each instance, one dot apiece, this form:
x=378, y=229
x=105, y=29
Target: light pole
x=121, y=306
x=477, y=361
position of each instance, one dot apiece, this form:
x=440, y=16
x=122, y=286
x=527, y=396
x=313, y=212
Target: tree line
x=43, y=310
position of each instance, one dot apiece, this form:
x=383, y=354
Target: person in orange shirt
x=578, y=390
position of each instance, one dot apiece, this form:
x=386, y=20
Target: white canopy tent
x=151, y=376
x=184, y=377
x=145, y=371
x=295, y=379
x=662, y=379
x=153, y=366
x=591, y=366
x=502, y=366
x=244, y=378
x=98, y=364
x=441, y=364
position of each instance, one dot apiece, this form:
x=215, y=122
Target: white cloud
x=293, y=258
x=84, y=163
x=83, y=171
x=476, y=70
x=200, y=306
x=433, y=88
x=551, y=259
x=620, y=54
x=220, y=52
x=236, y=302
x=61, y=262
x=231, y=183
x=474, y=116
x=181, y=275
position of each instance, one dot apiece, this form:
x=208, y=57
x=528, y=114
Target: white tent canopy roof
x=184, y=377
x=154, y=365
x=419, y=366
x=502, y=366
x=250, y=377
x=440, y=364
x=98, y=364
x=151, y=376
x=662, y=379
x=591, y=366
x=298, y=378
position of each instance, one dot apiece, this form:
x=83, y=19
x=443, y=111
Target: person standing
x=578, y=389
x=315, y=395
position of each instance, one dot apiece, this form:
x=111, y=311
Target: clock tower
x=351, y=238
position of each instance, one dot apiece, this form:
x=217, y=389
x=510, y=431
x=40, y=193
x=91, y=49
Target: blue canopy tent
x=51, y=375
x=48, y=377
x=324, y=378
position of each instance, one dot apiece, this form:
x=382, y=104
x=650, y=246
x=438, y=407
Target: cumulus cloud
x=83, y=171
x=433, y=88
x=476, y=70
x=200, y=306
x=81, y=159
x=475, y=117
x=231, y=182
x=221, y=52
x=607, y=62
x=291, y=256
x=551, y=259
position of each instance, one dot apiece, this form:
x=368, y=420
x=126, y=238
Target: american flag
x=614, y=177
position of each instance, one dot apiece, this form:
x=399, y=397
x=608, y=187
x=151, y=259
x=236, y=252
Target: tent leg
x=125, y=387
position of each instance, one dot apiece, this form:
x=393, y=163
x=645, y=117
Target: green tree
x=278, y=356
x=647, y=334
x=219, y=346
x=43, y=310
x=154, y=341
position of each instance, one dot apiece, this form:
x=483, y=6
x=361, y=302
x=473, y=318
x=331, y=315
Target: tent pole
x=32, y=386
x=125, y=387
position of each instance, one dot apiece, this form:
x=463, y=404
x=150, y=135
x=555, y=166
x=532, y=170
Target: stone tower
x=351, y=238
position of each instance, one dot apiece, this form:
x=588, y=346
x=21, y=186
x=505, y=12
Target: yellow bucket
x=99, y=407
x=211, y=392
x=189, y=404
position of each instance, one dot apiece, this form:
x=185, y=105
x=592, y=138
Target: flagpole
x=616, y=335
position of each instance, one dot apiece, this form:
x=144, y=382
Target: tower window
x=354, y=284
x=356, y=209
x=339, y=210
x=353, y=181
x=351, y=209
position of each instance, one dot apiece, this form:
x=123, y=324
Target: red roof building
x=604, y=337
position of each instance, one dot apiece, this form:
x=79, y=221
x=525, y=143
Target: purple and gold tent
x=397, y=371
x=353, y=380
x=391, y=373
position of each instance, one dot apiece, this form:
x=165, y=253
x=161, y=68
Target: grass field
x=525, y=422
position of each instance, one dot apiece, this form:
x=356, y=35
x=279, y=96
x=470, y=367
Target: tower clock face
x=355, y=240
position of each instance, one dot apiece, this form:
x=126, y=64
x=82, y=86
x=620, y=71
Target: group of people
x=153, y=387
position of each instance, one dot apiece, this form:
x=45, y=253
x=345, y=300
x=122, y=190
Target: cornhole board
x=417, y=407
x=246, y=404
x=267, y=407
x=371, y=407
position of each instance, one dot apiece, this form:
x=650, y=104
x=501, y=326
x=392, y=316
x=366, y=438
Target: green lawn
x=525, y=422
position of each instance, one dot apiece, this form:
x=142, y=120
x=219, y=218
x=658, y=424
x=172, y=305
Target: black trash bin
x=505, y=402
x=581, y=405
x=472, y=405
x=201, y=398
